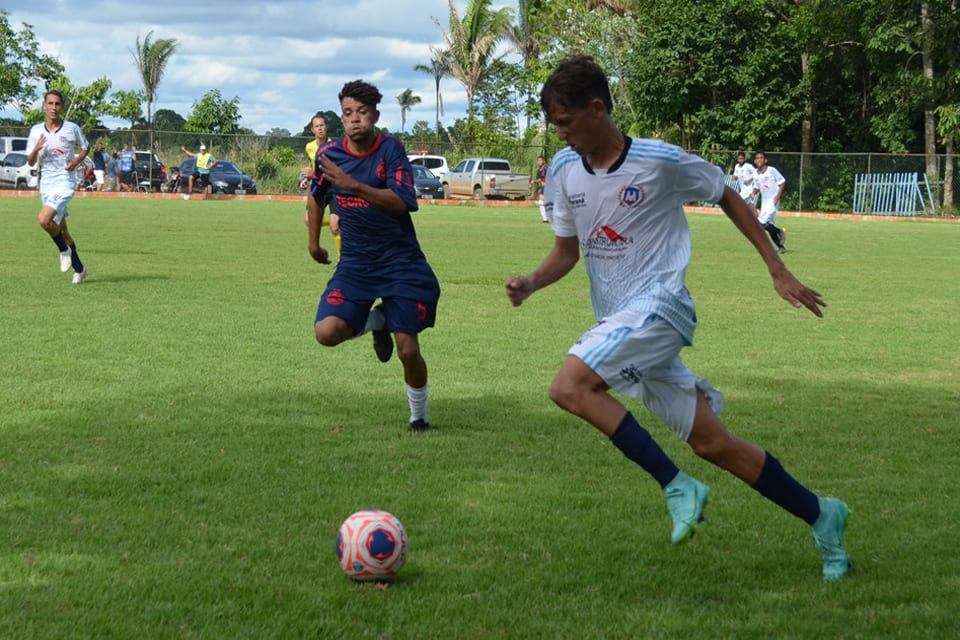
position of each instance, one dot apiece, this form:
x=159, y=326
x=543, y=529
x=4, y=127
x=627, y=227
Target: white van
x=12, y=143
x=436, y=164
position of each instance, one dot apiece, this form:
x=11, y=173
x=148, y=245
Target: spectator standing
x=126, y=164
x=205, y=162
x=99, y=167
x=112, y=173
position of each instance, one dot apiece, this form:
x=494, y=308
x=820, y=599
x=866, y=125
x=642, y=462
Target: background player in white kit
x=744, y=173
x=59, y=146
x=618, y=200
x=769, y=183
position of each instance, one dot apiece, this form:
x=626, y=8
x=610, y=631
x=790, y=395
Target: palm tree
x=471, y=43
x=524, y=37
x=438, y=69
x=407, y=101
x=151, y=58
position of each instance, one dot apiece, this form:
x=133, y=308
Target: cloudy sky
x=283, y=59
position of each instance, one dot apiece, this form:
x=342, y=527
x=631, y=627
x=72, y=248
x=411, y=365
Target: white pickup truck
x=485, y=178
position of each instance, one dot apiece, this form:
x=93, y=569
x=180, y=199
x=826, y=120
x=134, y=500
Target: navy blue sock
x=637, y=444
x=780, y=487
x=60, y=242
x=75, y=259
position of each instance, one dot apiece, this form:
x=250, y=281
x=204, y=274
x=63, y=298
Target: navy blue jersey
x=372, y=241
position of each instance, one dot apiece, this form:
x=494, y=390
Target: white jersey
x=630, y=223
x=745, y=174
x=61, y=146
x=769, y=183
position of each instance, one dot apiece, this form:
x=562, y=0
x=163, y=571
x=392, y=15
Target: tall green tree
x=84, y=105
x=407, y=101
x=214, y=115
x=128, y=105
x=438, y=68
x=471, y=43
x=913, y=51
x=151, y=57
x=22, y=65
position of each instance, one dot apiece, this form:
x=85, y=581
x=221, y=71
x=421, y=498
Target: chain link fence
x=822, y=182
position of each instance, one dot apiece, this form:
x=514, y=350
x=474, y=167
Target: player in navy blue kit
x=371, y=182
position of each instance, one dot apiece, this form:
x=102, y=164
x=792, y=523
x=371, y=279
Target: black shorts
x=201, y=179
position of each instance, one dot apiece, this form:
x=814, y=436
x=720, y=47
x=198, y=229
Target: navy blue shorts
x=409, y=298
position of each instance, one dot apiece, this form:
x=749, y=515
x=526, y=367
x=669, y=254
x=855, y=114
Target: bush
x=266, y=168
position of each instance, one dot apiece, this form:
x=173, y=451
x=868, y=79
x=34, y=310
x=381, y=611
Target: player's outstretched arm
x=558, y=263
x=787, y=286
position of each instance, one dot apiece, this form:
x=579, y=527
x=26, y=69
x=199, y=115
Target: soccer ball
x=371, y=545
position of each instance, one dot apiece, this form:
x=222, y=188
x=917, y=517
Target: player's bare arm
x=383, y=199
x=558, y=263
x=70, y=166
x=314, y=224
x=787, y=286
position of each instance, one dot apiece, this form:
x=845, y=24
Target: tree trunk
x=806, y=126
x=948, y=177
x=929, y=116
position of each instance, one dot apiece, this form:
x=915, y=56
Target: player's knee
x=564, y=394
x=327, y=334
x=408, y=351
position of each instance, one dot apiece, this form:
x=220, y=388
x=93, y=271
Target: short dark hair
x=574, y=83
x=362, y=92
x=319, y=115
x=53, y=92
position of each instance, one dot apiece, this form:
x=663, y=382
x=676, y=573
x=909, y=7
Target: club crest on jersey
x=632, y=195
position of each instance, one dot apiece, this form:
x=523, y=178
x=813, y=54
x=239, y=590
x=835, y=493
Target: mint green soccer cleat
x=828, y=536
x=686, y=499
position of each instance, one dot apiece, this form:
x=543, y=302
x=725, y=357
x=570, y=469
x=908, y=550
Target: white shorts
x=57, y=198
x=638, y=354
x=747, y=194
x=98, y=174
x=768, y=211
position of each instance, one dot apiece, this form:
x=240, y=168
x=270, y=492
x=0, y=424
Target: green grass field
x=177, y=452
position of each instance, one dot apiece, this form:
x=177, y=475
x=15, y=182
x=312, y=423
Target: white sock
x=543, y=212
x=375, y=321
x=417, y=398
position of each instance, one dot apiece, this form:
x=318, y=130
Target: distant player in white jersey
x=769, y=183
x=619, y=201
x=60, y=147
x=744, y=173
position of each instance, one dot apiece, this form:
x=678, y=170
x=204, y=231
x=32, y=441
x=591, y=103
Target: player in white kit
x=60, y=147
x=769, y=183
x=618, y=201
x=744, y=173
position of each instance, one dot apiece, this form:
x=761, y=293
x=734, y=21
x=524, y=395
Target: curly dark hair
x=362, y=92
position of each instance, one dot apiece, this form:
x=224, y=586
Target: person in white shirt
x=618, y=201
x=769, y=183
x=744, y=173
x=59, y=147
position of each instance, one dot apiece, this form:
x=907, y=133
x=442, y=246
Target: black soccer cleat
x=382, y=341
x=419, y=426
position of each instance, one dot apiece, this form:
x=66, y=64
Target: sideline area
x=466, y=202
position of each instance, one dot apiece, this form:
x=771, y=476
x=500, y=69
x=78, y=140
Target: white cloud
x=284, y=60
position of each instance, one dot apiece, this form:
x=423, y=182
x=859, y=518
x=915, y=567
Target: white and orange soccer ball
x=371, y=545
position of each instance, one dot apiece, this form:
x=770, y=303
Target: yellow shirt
x=203, y=162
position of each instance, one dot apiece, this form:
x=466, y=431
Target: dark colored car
x=428, y=185
x=225, y=177
x=142, y=164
